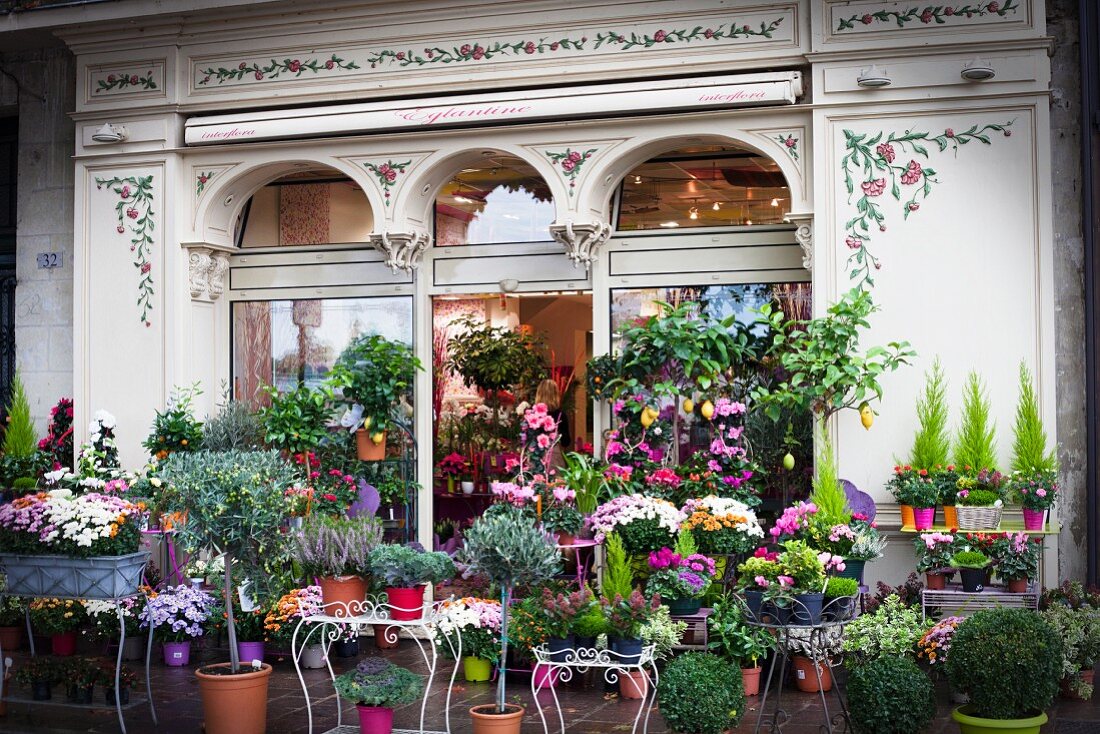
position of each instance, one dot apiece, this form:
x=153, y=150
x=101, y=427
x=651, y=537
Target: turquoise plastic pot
x=970, y=724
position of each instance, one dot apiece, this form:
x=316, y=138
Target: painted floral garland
x=570, y=162
x=122, y=81
x=475, y=51
x=201, y=180
x=930, y=14
x=790, y=143
x=135, y=212
x=872, y=158
x=387, y=175
x=275, y=69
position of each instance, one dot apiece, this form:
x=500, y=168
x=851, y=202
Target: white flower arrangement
x=626, y=509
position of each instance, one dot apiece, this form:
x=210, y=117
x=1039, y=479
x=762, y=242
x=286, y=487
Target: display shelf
x=696, y=630
x=961, y=603
x=1005, y=526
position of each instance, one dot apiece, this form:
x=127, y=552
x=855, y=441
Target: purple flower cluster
x=178, y=612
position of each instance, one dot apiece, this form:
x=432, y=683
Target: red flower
x=913, y=206
x=478, y=53
x=708, y=33
x=568, y=164
x=146, y=267
x=465, y=49
x=329, y=497
x=790, y=142
x=659, y=36
x=949, y=133
x=554, y=46
x=949, y=10
x=874, y=187
x=400, y=56
x=125, y=192
x=886, y=151
x=203, y=179
x=529, y=47
x=120, y=229
x=867, y=19
x=295, y=66
x=391, y=175
x=1008, y=133
x=912, y=173
x=575, y=156
x=111, y=78
x=329, y=64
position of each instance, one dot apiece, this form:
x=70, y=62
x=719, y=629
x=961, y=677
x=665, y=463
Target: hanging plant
x=494, y=358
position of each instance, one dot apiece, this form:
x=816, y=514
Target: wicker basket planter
x=106, y=577
x=978, y=518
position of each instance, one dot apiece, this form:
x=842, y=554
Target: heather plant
x=1029, y=444
x=328, y=546
x=976, y=442
x=403, y=566
x=932, y=442
x=378, y=682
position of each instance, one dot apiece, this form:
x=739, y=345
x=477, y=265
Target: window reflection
x=502, y=200
x=307, y=208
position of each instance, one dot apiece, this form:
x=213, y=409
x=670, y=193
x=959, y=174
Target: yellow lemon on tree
x=707, y=410
x=866, y=416
x=366, y=422
x=378, y=438
x=647, y=418
x=689, y=406
x=788, y=461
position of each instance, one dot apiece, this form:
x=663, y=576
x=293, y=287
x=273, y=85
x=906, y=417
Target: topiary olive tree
x=890, y=695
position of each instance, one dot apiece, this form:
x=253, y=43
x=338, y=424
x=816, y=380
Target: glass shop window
x=318, y=207
x=500, y=200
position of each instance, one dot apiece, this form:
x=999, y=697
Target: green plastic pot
x=970, y=724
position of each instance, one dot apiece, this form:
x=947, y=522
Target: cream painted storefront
x=935, y=186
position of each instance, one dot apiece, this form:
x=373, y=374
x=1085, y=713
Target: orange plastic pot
x=488, y=721
x=234, y=704
x=907, y=517
x=950, y=517
x=804, y=677
x=343, y=595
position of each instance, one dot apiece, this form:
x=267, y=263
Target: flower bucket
x=923, y=517
x=177, y=654
x=971, y=724
x=545, y=676
x=906, y=515
x=750, y=679
x=1034, y=519
x=103, y=577
x=375, y=719
x=406, y=603
x=64, y=644
x=978, y=518
x=249, y=651
x=367, y=449
x=342, y=596
x=950, y=517
x=973, y=579
x=476, y=670
x=853, y=569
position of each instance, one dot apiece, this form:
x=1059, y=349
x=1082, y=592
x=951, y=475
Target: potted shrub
x=234, y=502
x=505, y=546
x=476, y=622
x=701, y=693
x=892, y=630
x=890, y=694
x=1016, y=558
x=178, y=615
x=560, y=515
x=406, y=570
x=625, y=618
x=680, y=581
x=336, y=551
x=375, y=686
x=1079, y=630
x=934, y=552
x=978, y=501
x=917, y=494
x=802, y=578
x=1009, y=662
x=946, y=480
x=588, y=626
x=374, y=373
x=561, y=610
x=971, y=565
x=494, y=359
x=60, y=619
x=39, y=674
x=756, y=576
x=841, y=595
x=81, y=675
x=733, y=639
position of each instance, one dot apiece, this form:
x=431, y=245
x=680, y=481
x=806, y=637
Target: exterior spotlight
x=873, y=78
x=109, y=133
x=977, y=71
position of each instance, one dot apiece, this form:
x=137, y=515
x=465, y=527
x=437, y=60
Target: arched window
x=498, y=200
x=316, y=206
x=703, y=186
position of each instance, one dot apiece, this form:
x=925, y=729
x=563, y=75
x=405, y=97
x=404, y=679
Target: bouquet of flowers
x=662, y=483
x=58, y=441
x=475, y=621
x=57, y=523
x=1034, y=490
x=934, y=551
x=721, y=525
x=178, y=613
x=727, y=457
x=56, y=616
x=644, y=523
x=282, y=618
x=539, y=434
x=936, y=642
x=104, y=616
x=678, y=577
x=453, y=465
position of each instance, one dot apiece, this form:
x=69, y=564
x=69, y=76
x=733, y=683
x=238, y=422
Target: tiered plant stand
x=562, y=664
x=101, y=579
x=325, y=629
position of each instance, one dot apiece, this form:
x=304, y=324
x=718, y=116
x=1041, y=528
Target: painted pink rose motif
x=465, y=49
x=949, y=10
x=529, y=47
x=708, y=33
x=867, y=19
x=660, y=36
x=575, y=156
x=886, y=151
x=913, y=206
x=259, y=75
x=132, y=213
x=912, y=173
x=329, y=64
x=853, y=242
x=120, y=229
x=994, y=6
x=478, y=53
x=134, y=79
x=112, y=78
x=874, y=187
x=146, y=267
x=790, y=142
x=568, y=164
x=295, y=66
x=926, y=16
x=242, y=66
x=949, y=133
x=125, y=192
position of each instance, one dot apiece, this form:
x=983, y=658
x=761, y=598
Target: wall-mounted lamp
x=509, y=285
x=977, y=71
x=109, y=133
x=873, y=78
x=775, y=202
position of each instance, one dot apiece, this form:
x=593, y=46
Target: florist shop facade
x=258, y=184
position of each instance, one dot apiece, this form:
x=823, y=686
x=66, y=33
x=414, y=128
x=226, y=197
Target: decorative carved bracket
x=403, y=250
x=581, y=240
x=805, y=236
x=206, y=269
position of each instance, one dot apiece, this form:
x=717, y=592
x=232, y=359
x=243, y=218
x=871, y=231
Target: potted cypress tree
x=234, y=503
x=507, y=547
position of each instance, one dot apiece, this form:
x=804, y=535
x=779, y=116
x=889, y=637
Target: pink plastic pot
x=375, y=719
x=407, y=604
x=546, y=676
x=923, y=517
x=1034, y=519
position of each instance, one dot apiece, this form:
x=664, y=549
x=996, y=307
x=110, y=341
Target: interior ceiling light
x=775, y=202
x=977, y=71
x=637, y=179
x=693, y=213
x=873, y=78
x=670, y=224
x=716, y=206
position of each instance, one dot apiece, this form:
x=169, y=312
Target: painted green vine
x=475, y=51
x=275, y=69
x=930, y=14
x=872, y=159
x=135, y=214
x=122, y=81
x=570, y=162
x=386, y=174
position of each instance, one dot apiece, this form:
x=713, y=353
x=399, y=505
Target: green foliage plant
x=590, y=623
x=838, y=587
x=20, y=439
x=828, y=493
x=976, y=440
x=661, y=631
x=378, y=682
x=890, y=695
x=296, y=420
x=826, y=371
x=582, y=474
x=892, y=630
x=1029, y=437
x=375, y=373
x=1009, y=662
x=494, y=358
x=701, y=693
x=1079, y=631
x=403, y=566
x=618, y=579
x=970, y=559
x=932, y=442
x=508, y=549
x=234, y=428
x=800, y=562
x=235, y=504
x=176, y=428
x=731, y=637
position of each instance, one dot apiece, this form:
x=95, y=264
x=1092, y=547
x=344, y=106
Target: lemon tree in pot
x=1009, y=662
x=508, y=548
x=235, y=505
x=374, y=373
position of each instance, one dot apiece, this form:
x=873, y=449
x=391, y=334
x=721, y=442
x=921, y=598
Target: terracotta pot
x=367, y=449
x=935, y=581
x=907, y=519
x=234, y=704
x=950, y=517
x=804, y=677
x=343, y=595
x=750, y=678
x=386, y=636
x=565, y=539
x=633, y=685
x=488, y=721
x=11, y=638
x=1017, y=586
x=1086, y=675
x=406, y=603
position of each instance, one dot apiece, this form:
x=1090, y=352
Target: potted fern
x=505, y=546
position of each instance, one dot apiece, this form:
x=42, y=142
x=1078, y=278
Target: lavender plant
x=329, y=546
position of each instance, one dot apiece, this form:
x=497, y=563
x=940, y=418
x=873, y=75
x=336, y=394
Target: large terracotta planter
x=343, y=595
x=633, y=685
x=1017, y=586
x=804, y=677
x=367, y=449
x=970, y=724
x=487, y=721
x=750, y=679
x=234, y=704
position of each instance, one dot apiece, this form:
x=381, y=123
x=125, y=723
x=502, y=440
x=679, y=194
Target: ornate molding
x=219, y=267
x=206, y=269
x=805, y=236
x=403, y=250
x=581, y=240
